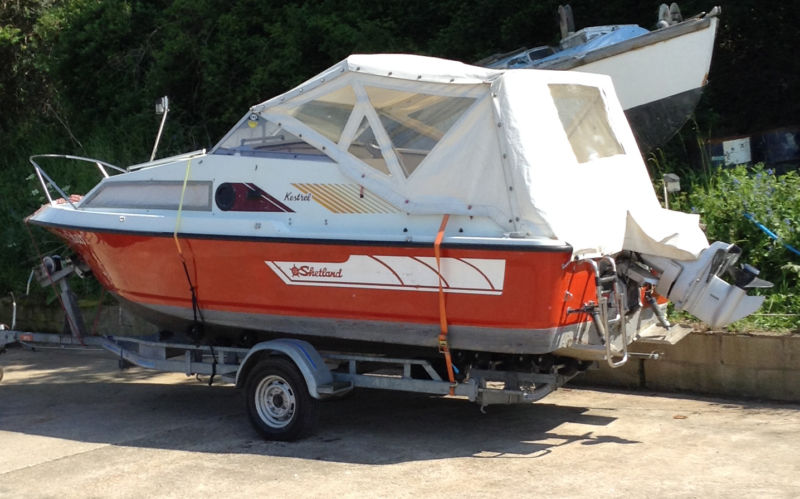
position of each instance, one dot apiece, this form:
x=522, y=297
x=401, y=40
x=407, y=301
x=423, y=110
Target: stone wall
x=107, y=319
x=762, y=366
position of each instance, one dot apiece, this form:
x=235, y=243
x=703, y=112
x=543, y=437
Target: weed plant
x=730, y=200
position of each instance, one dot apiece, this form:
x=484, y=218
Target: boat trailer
x=283, y=380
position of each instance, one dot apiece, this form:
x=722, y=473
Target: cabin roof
x=542, y=153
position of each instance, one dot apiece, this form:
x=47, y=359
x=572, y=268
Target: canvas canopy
x=543, y=153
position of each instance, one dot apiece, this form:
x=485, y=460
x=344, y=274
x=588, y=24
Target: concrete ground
x=72, y=425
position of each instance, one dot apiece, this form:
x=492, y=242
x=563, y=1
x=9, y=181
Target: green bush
x=730, y=201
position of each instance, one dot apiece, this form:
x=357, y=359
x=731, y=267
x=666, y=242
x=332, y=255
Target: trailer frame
x=323, y=375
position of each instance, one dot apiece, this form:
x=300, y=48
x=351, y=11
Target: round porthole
x=225, y=196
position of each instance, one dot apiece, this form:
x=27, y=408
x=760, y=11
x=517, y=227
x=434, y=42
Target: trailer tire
x=278, y=402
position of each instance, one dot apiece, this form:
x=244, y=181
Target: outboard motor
x=697, y=287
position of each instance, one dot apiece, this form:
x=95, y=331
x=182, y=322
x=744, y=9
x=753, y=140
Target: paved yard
x=73, y=425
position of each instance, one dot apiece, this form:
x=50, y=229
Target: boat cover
x=602, y=37
x=546, y=154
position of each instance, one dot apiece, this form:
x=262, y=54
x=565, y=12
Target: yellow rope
x=180, y=208
x=195, y=303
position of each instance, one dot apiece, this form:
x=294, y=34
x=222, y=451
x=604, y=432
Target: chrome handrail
x=600, y=319
x=171, y=159
x=46, y=180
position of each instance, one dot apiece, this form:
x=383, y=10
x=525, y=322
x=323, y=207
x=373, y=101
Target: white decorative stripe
x=405, y=273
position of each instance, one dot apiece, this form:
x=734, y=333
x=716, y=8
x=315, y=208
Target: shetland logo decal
x=404, y=273
x=307, y=271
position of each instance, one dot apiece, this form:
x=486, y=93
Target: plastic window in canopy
x=328, y=114
x=415, y=122
x=583, y=115
x=365, y=147
x=257, y=136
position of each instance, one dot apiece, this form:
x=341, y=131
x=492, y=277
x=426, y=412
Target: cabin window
x=415, y=122
x=365, y=147
x=154, y=194
x=583, y=115
x=257, y=136
x=328, y=114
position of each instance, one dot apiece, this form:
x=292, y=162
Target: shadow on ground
x=86, y=399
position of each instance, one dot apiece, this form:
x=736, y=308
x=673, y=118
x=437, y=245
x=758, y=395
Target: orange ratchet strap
x=444, y=348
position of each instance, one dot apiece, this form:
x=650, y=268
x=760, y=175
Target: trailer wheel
x=278, y=402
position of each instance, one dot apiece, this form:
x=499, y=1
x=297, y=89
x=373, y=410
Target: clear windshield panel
x=583, y=115
x=415, y=122
x=328, y=114
x=365, y=147
x=259, y=137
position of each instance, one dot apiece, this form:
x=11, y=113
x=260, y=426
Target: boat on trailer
x=399, y=203
x=659, y=75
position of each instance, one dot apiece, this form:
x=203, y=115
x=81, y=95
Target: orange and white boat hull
x=511, y=299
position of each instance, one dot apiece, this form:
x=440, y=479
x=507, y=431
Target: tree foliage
x=81, y=76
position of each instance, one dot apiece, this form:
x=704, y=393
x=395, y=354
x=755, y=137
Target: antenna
x=162, y=108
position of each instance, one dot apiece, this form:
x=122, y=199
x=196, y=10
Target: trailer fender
x=302, y=353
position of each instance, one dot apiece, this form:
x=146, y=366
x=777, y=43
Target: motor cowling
x=697, y=286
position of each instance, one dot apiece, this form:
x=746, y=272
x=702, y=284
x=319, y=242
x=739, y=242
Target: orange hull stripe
x=233, y=275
